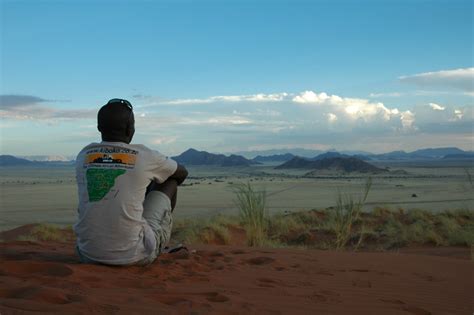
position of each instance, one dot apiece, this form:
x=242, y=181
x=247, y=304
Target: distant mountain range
x=10, y=160
x=195, y=157
x=461, y=156
x=422, y=154
x=273, y=158
x=344, y=164
x=48, y=158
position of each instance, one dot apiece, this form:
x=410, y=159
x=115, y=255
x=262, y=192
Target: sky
x=229, y=76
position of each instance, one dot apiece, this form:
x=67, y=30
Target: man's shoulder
x=140, y=147
x=87, y=147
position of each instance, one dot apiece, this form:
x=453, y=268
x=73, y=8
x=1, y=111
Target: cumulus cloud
x=331, y=117
x=355, y=109
x=462, y=79
x=435, y=106
x=407, y=118
x=221, y=121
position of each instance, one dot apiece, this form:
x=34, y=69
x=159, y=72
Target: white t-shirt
x=112, y=178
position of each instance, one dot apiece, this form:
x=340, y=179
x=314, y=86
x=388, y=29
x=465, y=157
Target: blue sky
x=239, y=75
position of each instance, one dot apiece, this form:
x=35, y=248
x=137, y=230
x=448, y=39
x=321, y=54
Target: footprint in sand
x=410, y=309
x=280, y=268
x=216, y=253
x=325, y=273
x=238, y=252
x=266, y=282
x=427, y=277
x=46, y=269
x=172, y=300
x=38, y=294
x=260, y=260
x=361, y=283
x=216, y=297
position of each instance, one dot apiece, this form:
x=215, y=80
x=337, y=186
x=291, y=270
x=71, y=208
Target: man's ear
x=130, y=130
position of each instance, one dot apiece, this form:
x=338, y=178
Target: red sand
x=47, y=277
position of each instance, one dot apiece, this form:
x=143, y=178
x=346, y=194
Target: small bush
x=252, y=209
x=418, y=215
x=346, y=213
x=215, y=230
x=48, y=232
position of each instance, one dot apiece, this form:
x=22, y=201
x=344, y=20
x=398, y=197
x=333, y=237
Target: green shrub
x=346, y=213
x=415, y=215
x=395, y=233
x=204, y=231
x=252, y=210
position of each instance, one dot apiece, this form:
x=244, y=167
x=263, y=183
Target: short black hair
x=114, y=119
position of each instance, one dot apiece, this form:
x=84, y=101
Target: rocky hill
x=273, y=158
x=10, y=160
x=344, y=164
x=195, y=157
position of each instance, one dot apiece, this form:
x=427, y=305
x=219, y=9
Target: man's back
x=112, y=178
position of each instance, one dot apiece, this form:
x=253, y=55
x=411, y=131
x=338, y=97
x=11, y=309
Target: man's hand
x=180, y=174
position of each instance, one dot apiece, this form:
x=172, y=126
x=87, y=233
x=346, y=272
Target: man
x=126, y=193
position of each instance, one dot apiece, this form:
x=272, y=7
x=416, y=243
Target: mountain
x=296, y=162
x=394, y=155
x=332, y=154
x=467, y=155
x=437, y=153
x=10, y=160
x=195, y=157
x=273, y=158
x=345, y=164
x=329, y=154
x=296, y=152
x=48, y=158
x=422, y=154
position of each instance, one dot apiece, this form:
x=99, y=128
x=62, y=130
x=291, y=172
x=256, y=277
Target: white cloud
x=331, y=117
x=258, y=112
x=388, y=94
x=351, y=108
x=435, y=106
x=408, y=119
x=164, y=140
x=276, y=97
x=218, y=120
x=462, y=79
x=309, y=97
x=458, y=114
x=264, y=119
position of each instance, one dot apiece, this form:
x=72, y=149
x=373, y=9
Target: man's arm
x=180, y=174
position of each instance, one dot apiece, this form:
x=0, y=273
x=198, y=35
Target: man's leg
x=169, y=188
x=160, y=200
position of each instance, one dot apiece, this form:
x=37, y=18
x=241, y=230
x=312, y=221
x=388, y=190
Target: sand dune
x=47, y=277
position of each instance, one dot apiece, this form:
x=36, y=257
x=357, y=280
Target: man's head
x=116, y=122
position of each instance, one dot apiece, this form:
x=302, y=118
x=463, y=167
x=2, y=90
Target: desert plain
x=44, y=276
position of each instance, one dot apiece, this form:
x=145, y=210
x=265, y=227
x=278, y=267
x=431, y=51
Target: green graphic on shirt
x=100, y=181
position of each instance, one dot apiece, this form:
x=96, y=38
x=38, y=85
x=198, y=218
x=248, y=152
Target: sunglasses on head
x=121, y=101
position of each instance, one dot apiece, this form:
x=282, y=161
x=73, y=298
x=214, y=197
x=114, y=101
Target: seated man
x=126, y=193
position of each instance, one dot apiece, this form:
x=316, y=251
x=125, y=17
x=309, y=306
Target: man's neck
x=115, y=140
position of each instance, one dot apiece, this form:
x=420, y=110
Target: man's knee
x=169, y=188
